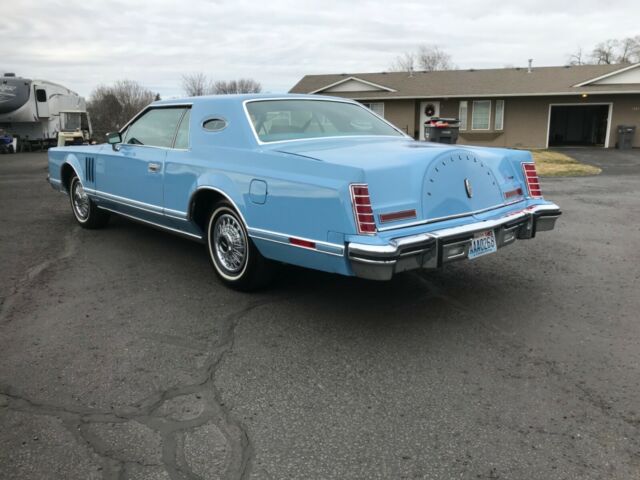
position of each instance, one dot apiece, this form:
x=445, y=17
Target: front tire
x=85, y=211
x=235, y=258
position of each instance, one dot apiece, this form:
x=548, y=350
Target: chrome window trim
x=448, y=217
x=131, y=145
x=211, y=118
x=337, y=100
x=175, y=134
x=149, y=107
x=154, y=107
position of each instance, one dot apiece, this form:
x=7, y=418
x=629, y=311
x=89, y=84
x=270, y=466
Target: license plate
x=483, y=243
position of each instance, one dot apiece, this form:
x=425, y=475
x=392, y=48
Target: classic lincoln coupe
x=314, y=181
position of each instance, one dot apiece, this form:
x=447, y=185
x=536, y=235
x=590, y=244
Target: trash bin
x=625, y=136
x=441, y=130
x=7, y=143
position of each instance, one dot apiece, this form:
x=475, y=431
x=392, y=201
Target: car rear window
x=279, y=120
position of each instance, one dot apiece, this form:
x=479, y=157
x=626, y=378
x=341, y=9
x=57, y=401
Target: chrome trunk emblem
x=467, y=187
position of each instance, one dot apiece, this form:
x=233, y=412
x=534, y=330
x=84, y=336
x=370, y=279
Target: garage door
x=578, y=125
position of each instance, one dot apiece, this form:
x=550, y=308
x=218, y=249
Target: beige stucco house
x=513, y=107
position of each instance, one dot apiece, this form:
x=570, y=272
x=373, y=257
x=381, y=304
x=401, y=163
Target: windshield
x=71, y=121
x=275, y=120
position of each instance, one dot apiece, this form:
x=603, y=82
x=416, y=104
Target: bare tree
x=605, y=52
x=610, y=51
x=243, y=85
x=112, y=106
x=197, y=84
x=432, y=58
x=577, y=58
x=404, y=63
x=629, y=50
x=428, y=58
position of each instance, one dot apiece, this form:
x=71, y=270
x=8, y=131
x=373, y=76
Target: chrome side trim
x=177, y=214
x=449, y=217
x=147, y=207
x=173, y=230
x=282, y=238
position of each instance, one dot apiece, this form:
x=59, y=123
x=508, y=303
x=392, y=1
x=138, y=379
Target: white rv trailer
x=42, y=111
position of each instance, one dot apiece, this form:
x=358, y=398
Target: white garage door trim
x=583, y=104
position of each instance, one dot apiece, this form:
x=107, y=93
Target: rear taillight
x=362, y=210
x=531, y=177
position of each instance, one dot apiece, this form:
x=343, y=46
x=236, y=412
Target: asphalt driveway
x=122, y=357
x=611, y=161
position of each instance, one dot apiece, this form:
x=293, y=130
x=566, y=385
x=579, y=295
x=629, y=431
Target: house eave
x=356, y=79
x=606, y=75
x=493, y=95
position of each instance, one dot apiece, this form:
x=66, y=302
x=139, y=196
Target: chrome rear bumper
x=433, y=249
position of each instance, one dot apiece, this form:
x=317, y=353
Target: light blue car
x=314, y=181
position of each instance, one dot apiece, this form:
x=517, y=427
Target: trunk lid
x=433, y=179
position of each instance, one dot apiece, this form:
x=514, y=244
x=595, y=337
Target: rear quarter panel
x=304, y=197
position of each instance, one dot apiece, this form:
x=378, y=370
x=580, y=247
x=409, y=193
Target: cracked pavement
x=122, y=357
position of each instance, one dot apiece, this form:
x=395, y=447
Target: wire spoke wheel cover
x=80, y=201
x=228, y=241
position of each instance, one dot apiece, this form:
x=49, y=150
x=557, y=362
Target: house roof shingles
x=469, y=83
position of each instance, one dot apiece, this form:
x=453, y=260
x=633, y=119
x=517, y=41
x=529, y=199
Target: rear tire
x=85, y=211
x=235, y=258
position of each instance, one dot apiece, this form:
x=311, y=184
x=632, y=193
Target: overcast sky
x=84, y=43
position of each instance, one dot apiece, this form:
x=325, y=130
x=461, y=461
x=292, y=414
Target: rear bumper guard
x=433, y=249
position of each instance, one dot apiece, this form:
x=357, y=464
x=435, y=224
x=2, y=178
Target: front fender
x=73, y=160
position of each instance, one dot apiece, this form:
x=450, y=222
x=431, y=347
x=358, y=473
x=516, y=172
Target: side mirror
x=114, y=138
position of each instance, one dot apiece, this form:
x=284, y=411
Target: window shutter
x=499, y=123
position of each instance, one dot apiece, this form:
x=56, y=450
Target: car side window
x=182, y=138
x=156, y=128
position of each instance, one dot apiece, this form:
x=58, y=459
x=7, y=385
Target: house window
x=375, y=107
x=499, y=122
x=481, y=116
x=462, y=114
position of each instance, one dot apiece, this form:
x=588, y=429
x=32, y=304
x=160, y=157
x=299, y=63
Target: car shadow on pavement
x=456, y=288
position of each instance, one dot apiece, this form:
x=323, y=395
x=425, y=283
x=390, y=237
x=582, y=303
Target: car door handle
x=154, y=167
